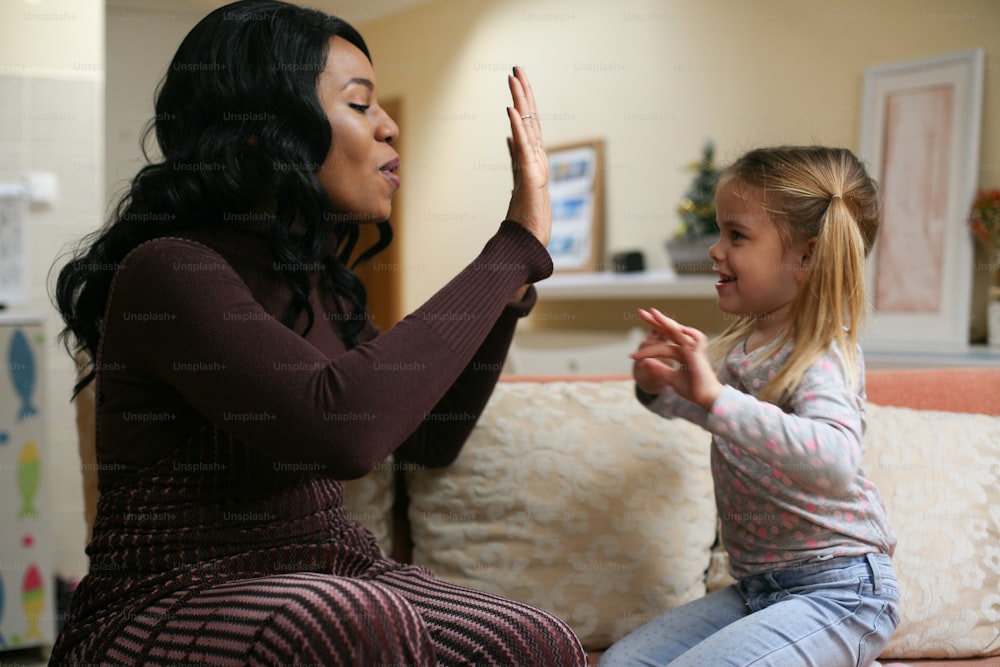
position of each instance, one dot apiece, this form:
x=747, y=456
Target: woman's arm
x=276, y=391
x=444, y=430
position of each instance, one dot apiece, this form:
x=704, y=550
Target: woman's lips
x=389, y=170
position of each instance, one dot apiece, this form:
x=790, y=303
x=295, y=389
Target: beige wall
x=58, y=37
x=51, y=105
x=653, y=79
x=139, y=47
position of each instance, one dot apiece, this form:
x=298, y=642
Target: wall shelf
x=640, y=284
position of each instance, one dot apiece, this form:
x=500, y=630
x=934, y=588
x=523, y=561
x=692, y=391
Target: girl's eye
x=735, y=235
x=360, y=108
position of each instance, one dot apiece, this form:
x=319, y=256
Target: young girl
x=782, y=391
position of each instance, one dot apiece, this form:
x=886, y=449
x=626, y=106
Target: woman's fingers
x=526, y=125
x=530, y=204
x=524, y=102
x=520, y=92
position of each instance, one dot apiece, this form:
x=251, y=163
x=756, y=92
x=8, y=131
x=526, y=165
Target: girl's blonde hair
x=812, y=192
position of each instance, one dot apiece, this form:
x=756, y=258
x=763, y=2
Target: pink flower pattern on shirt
x=789, y=486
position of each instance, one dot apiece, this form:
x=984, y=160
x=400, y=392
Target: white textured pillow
x=939, y=474
x=572, y=497
x=369, y=500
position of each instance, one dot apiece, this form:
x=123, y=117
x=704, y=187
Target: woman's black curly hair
x=237, y=119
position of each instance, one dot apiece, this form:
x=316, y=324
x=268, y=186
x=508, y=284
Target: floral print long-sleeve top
x=789, y=486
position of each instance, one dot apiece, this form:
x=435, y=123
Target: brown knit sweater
x=222, y=434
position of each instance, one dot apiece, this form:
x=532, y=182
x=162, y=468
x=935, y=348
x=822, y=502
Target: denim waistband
x=876, y=565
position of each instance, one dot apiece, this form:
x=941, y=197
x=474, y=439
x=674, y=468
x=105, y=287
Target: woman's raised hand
x=529, y=202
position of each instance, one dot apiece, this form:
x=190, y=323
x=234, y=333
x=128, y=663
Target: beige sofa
x=571, y=496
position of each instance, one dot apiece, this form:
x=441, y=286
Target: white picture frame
x=576, y=186
x=920, y=129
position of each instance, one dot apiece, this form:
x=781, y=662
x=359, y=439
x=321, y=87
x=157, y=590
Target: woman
x=239, y=378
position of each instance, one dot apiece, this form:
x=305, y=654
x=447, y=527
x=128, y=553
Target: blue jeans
x=826, y=613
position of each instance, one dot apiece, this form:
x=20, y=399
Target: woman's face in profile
x=359, y=174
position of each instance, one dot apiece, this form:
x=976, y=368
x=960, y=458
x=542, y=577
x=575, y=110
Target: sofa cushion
x=574, y=498
x=369, y=500
x=939, y=474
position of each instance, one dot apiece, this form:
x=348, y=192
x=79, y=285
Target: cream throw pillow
x=572, y=497
x=939, y=474
x=369, y=500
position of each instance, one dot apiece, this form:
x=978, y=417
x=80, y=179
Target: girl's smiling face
x=359, y=172
x=758, y=275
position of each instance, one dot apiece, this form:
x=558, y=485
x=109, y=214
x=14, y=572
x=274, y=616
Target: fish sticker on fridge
x=29, y=476
x=33, y=602
x=21, y=362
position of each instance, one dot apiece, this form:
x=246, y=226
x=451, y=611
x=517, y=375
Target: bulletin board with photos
x=576, y=186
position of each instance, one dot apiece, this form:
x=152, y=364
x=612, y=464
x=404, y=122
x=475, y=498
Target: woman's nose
x=387, y=130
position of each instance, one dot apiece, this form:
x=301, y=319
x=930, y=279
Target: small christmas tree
x=697, y=208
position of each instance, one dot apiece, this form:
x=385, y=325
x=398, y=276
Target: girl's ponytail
x=835, y=283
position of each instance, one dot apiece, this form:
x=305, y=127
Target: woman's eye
x=360, y=108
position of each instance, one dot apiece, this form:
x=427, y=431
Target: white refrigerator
x=27, y=577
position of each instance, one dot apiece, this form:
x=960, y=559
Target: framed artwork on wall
x=576, y=185
x=920, y=128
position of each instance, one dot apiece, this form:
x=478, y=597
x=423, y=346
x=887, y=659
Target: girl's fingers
x=663, y=324
x=657, y=371
x=663, y=320
x=678, y=332
x=658, y=351
x=666, y=321
x=654, y=318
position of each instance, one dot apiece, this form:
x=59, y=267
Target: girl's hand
x=676, y=356
x=529, y=202
x=645, y=373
